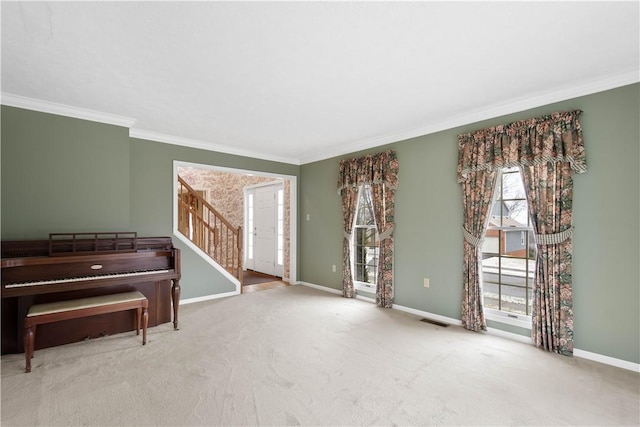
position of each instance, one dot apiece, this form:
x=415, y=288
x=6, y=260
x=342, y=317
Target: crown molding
x=24, y=102
x=18, y=101
x=490, y=112
x=202, y=145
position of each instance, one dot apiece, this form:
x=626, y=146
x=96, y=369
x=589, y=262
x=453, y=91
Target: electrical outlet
x=426, y=282
x=333, y=268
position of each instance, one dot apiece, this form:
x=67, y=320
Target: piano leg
x=145, y=323
x=138, y=318
x=175, y=296
x=29, y=339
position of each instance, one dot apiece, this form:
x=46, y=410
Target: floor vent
x=434, y=322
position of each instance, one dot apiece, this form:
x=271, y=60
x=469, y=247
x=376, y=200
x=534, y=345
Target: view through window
x=366, y=246
x=509, y=251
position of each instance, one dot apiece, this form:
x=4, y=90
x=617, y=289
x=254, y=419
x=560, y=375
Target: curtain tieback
x=386, y=234
x=554, y=238
x=346, y=235
x=470, y=238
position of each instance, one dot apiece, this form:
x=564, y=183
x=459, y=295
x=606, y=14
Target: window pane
x=359, y=252
x=517, y=213
x=370, y=237
x=530, y=295
x=250, y=226
x=491, y=301
x=491, y=243
x=512, y=186
x=371, y=275
x=513, y=277
x=365, y=207
x=513, y=299
x=490, y=293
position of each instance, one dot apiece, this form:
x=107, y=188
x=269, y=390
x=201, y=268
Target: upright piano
x=77, y=265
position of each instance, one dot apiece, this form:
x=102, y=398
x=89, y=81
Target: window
x=365, y=243
x=250, y=226
x=509, y=251
x=280, y=230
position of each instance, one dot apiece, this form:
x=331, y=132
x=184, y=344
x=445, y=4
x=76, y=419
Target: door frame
x=250, y=189
x=293, y=212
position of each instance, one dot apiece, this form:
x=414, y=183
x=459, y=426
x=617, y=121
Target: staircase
x=199, y=222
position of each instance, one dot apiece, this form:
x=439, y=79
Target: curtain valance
x=380, y=168
x=552, y=138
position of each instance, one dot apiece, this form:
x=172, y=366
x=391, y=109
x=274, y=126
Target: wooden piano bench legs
x=64, y=310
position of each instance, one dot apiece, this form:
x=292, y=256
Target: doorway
x=265, y=228
x=224, y=188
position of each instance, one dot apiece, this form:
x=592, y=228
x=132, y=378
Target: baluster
x=211, y=232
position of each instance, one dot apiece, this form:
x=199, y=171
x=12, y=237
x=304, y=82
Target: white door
x=264, y=233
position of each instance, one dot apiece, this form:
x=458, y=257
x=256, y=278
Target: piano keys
x=37, y=271
x=80, y=279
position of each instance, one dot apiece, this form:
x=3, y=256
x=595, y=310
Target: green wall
x=428, y=234
x=61, y=174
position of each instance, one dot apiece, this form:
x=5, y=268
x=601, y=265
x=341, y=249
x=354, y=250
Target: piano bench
x=84, y=307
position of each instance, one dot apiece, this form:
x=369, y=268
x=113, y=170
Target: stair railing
x=203, y=225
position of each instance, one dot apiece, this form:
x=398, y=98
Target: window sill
x=364, y=287
x=519, y=320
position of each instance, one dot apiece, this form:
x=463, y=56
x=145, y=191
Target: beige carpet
x=299, y=356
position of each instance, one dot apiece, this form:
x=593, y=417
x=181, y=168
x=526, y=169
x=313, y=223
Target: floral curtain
x=380, y=171
x=550, y=194
x=548, y=149
x=349, y=203
x=477, y=195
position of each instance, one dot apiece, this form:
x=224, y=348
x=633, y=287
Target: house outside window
x=509, y=252
x=366, y=245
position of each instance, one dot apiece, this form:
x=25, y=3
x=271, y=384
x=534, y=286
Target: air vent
x=434, y=322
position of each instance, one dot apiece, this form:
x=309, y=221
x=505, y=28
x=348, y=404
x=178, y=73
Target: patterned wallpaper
x=224, y=191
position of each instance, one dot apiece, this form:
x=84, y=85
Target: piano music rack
x=75, y=243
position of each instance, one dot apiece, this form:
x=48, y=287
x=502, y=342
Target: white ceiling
x=303, y=81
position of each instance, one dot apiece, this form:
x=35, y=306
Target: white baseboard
x=510, y=335
x=427, y=315
x=321, y=288
x=619, y=363
x=208, y=297
x=607, y=360
x=367, y=299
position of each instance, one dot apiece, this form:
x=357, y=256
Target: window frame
x=357, y=284
x=521, y=320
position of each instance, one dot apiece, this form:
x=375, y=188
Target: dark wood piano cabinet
x=31, y=274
